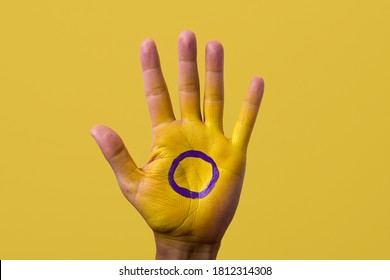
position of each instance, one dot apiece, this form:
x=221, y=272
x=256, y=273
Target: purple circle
x=183, y=191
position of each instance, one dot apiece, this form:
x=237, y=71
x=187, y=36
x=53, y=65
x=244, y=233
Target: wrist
x=173, y=249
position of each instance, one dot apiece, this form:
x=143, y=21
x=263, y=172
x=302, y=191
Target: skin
x=185, y=228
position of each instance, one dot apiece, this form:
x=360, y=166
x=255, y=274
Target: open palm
x=190, y=187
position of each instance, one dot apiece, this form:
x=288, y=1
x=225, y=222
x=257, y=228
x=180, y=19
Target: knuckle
x=156, y=90
x=189, y=88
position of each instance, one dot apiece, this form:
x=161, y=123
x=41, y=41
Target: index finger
x=156, y=91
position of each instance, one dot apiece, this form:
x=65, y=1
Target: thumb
x=116, y=154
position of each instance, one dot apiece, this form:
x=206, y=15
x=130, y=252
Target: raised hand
x=189, y=189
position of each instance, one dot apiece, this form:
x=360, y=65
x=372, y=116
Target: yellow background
x=317, y=184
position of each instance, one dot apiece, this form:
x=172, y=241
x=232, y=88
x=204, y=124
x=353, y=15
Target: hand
x=189, y=189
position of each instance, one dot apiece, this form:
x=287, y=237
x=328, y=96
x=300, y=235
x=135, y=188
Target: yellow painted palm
x=189, y=189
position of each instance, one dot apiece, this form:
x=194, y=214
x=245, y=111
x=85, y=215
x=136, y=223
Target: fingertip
x=187, y=45
x=94, y=130
x=187, y=35
x=147, y=44
x=256, y=90
x=214, y=56
x=258, y=83
x=214, y=47
x=97, y=130
x=148, y=54
x=105, y=137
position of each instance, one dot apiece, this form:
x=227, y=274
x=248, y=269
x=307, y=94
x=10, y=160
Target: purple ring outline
x=185, y=192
